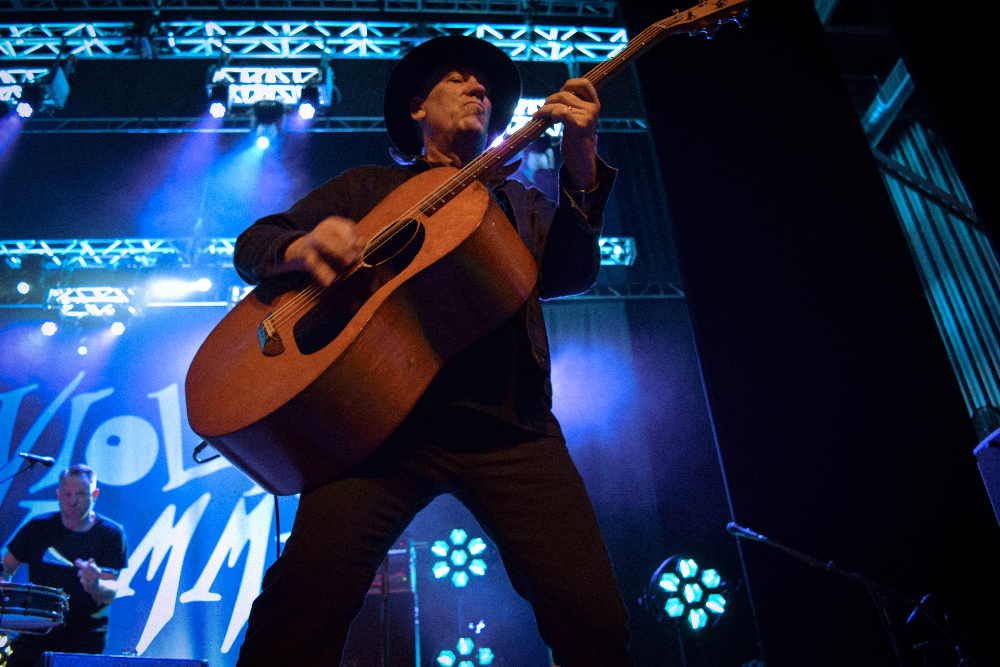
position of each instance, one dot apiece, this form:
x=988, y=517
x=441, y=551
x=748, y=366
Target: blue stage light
x=308, y=103
x=307, y=111
x=219, y=101
x=23, y=287
x=82, y=350
x=30, y=100
x=477, y=546
x=465, y=646
x=263, y=142
x=466, y=652
x=49, y=328
x=117, y=328
x=457, y=554
x=685, y=596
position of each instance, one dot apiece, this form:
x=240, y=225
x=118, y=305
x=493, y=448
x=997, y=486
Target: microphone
x=46, y=461
x=740, y=531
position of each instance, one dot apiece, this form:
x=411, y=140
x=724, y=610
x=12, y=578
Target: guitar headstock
x=705, y=17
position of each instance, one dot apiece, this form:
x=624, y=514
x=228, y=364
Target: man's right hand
x=328, y=250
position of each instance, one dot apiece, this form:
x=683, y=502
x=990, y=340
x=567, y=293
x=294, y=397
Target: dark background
x=841, y=428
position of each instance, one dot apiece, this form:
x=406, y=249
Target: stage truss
x=295, y=39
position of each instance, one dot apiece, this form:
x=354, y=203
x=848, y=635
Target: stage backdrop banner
x=200, y=536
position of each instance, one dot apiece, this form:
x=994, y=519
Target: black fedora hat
x=412, y=71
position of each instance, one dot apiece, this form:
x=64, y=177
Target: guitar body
x=356, y=361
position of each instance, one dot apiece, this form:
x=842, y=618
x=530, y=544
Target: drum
x=31, y=608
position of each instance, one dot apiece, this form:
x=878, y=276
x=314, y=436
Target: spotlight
x=686, y=596
x=23, y=287
x=468, y=655
x=308, y=103
x=117, y=328
x=49, y=328
x=30, y=100
x=455, y=558
x=82, y=350
x=219, y=100
x=267, y=116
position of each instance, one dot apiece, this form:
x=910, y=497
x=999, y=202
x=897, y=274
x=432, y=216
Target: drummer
x=79, y=551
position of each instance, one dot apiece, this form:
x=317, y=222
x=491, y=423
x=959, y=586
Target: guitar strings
x=440, y=196
x=516, y=142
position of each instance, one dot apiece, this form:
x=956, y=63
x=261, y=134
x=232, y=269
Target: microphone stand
x=31, y=464
x=879, y=592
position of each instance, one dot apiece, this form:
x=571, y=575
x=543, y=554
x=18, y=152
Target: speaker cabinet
x=387, y=622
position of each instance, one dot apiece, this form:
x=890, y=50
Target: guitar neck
x=704, y=17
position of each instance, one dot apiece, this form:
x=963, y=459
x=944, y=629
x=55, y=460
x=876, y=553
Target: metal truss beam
x=295, y=40
x=586, y=8
x=55, y=125
x=146, y=253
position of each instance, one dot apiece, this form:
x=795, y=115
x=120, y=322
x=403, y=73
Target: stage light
x=308, y=103
x=23, y=287
x=82, y=350
x=467, y=653
x=218, y=101
x=175, y=288
x=49, y=328
x=118, y=328
x=455, y=555
x=684, y=595
x=267, y=117
x=30, y=100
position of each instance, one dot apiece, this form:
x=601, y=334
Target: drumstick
x=53, y=557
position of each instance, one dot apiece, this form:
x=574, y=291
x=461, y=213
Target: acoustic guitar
x=295, y=387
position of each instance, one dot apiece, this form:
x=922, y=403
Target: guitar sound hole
x=400, y=247
x=322, y=323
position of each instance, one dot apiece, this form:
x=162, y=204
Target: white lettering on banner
x=164, y=536
x=78, y=410
x=170, y=416
x=122, y=450
x=242, y=528
x=27, y=442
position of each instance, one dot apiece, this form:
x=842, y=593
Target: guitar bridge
x=270, y=339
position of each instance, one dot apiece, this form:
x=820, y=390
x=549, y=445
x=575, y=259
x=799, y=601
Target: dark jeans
x=528, y=497
x=26, y=649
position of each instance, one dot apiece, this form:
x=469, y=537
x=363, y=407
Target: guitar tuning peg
x=674, y=12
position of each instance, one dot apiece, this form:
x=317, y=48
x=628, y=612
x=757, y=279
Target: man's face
x=76, y=499
x=456, y=103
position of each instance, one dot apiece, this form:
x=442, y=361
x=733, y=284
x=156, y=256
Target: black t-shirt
x=104, y=542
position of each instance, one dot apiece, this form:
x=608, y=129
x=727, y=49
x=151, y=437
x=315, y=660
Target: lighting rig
x=30, y=90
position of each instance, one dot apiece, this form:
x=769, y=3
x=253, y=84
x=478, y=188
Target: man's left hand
x=577, y=107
